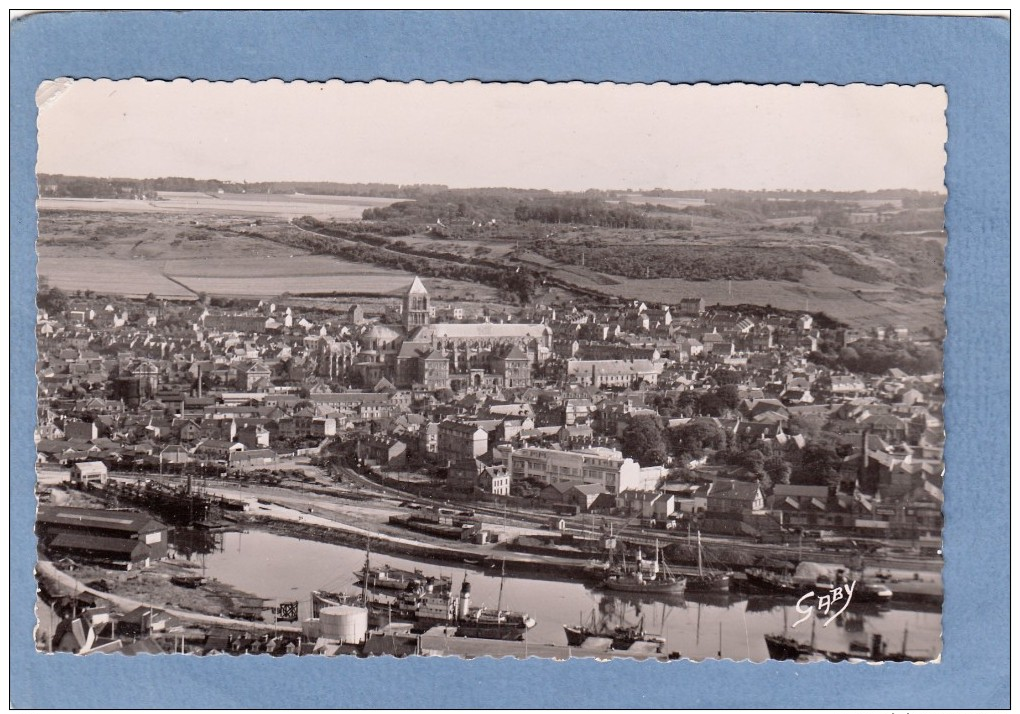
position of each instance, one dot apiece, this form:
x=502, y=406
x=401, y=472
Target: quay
x=439, y=641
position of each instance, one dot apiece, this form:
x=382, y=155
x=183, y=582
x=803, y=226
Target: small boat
x=188, y=581
x=646, y=578
x=868, y=591
x=872, y=590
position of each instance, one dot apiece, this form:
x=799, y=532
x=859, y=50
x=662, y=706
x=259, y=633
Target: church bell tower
x=416, y=306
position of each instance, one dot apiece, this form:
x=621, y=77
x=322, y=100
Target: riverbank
x=151, y=588
x=543, y=567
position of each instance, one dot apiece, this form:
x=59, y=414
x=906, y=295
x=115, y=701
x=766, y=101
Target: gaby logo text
x=826, y=603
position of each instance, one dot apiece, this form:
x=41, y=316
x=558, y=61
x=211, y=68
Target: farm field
x=819, y=290
x=859, y=279
x=177, y=256
x=668, y=201
x=130, y=278
x=337, y=208
x=282, y=266
x=860, y=308
x=263, y=286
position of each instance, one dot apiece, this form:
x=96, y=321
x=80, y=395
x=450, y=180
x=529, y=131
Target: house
x=217, y=449
x=428, y=438
x=383, y=450
x=174, y=454
x=575, y=436
x=797, y=505
x=692, y=307
x=648, y=504
x=469, y=475
x=85, y=473
x=253, y=436
x=729, y=496
x=555, y=493
x=848, y=384
x=598, y=465
x=457, y=440
x=514, y=367
x=187, y=430
x=613, y=373
x=252, y=374
x=251, y=458
x=142, y=621
x=84, y=430
x=495, y=479
x=587, y=496
x=578, y=411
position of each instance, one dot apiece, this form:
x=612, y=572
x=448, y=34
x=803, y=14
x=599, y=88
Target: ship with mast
x=784, y=647
x=623, y=637
x=428, y=602
x=646, y=577
x=707, y=579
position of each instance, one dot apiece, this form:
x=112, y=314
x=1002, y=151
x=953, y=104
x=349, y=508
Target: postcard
x=491, y=369
x=506, y=376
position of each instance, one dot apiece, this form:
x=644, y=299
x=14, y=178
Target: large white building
x=613, y=372
x=599, y=465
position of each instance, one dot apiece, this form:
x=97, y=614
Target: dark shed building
x=131, y=538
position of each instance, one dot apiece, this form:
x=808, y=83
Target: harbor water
x=699, y=626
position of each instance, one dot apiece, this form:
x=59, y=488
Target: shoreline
x=47, y=569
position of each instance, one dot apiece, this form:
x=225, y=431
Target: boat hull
x=576, y=635
x=786, y=648
x=708, y=583
x=774, y=585
x=668, y=588
x=513, y=633
x=622, y=637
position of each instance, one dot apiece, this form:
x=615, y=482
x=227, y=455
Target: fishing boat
x=644, y=577
x=387, y=578
x=781, y=647
x=422, y=604
x=623, y=636
x=784, y=647
x=707, y=580
x=431, y=603
x=395, y=579
x=876, y=653
x=770, y=582
x=494, y=624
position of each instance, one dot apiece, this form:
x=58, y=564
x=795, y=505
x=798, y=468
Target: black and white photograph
x=467, y=369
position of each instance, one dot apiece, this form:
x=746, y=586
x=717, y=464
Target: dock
x=439, y=641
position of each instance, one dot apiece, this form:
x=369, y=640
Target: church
x=420, y=352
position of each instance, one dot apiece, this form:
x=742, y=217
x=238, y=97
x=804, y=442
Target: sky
x=562, y=137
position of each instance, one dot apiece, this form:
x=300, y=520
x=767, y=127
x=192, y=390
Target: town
x=551, y=437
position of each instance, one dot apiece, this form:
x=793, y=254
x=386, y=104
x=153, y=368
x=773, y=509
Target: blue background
x=967, y=55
